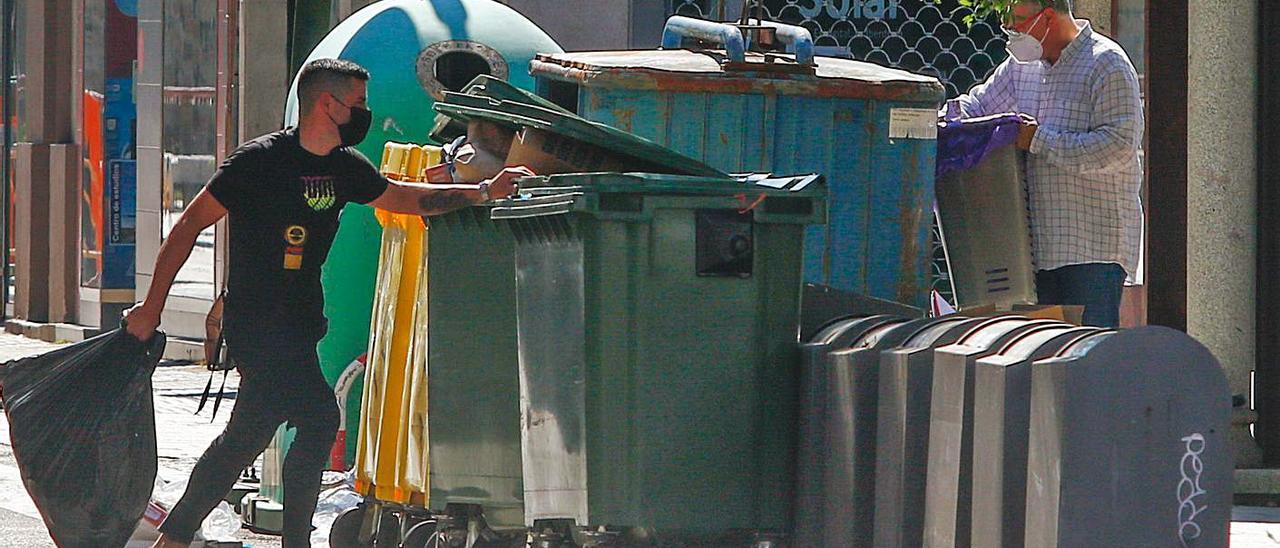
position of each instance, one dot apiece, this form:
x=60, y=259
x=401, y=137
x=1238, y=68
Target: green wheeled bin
x=666, y=409
x=441, y=447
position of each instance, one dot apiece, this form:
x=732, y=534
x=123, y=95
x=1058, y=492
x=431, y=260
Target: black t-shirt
x=282, y=207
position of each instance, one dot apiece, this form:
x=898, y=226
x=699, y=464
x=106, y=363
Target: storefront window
x=93, y=178
x=11, y=36
x=108, y=220
x=1131, y=30
x=190, y=132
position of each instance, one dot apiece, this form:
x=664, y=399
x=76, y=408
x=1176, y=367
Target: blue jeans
x=1096, y=286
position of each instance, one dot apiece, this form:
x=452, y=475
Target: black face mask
x=354, y=131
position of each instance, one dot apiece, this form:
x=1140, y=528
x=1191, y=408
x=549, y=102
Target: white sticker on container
x=913, y=123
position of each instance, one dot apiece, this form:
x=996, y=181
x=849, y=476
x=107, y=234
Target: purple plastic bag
x=963, y=144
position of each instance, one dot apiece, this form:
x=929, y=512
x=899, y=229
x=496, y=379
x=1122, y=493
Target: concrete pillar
x=64, y=232
x=31, y=232
x=47, y=101
x=46, y=111
x=264, y=66
x=150, y=143
x=226, y=103
x=1222, y=190
x=1098, y=12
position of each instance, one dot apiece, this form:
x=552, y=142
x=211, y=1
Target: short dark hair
x=1063, y=6
x=327, y=76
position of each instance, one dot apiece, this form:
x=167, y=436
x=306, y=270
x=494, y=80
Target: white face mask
x=1024, y=47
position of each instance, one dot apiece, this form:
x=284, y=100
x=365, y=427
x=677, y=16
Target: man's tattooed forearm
x=442, y=201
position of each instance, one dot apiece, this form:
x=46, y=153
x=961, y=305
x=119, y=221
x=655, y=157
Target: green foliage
x=983, y=9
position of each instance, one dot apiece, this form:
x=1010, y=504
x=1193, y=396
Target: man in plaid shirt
x=1078, y=93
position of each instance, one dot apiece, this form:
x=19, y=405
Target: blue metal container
x=871, y=130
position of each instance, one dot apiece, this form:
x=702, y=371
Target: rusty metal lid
x=706, y=71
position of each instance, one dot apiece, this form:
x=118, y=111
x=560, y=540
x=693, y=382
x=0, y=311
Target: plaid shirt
x=1084, y=172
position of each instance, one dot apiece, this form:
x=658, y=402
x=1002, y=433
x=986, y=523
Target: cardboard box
x=550, y=154
x=1071, y=314
x=472, y=164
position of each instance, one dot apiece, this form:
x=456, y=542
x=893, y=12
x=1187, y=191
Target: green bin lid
x=649, y=155
x=703, y=72
x=484, y=85
x=659, y=183
x=795, y=199
x=496, y=88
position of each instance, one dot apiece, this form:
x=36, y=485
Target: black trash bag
x=83, y=430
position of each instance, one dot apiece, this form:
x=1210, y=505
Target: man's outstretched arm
x=435, y=199
x=144, y=318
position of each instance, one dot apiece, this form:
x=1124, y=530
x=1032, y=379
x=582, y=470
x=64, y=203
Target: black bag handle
x=217, y=360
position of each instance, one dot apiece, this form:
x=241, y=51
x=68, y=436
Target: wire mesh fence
x=916, y=35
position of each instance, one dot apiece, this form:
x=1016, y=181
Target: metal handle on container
x=679, y=27
x=797, y=37
x=537, y=206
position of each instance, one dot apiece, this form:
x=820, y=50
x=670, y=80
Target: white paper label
x=913, y=123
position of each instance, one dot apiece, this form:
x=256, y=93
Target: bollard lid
x=1036, y=343
x=1028, y=342
x=835, y=328
x=1083, y=345
x=927, y=336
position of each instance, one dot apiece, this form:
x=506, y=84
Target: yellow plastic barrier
x=381, y=450
x=413, y=469
x=392, y=451
x=408, y=162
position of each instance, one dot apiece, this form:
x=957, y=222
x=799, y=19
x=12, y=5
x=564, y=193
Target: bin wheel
x=423, y=535
x=345, y=532
x=388, y=531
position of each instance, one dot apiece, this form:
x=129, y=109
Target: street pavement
x=181, y=437
x=1255, y=527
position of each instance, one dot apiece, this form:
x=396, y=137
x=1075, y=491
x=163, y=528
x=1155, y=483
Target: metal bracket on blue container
x=679, y=28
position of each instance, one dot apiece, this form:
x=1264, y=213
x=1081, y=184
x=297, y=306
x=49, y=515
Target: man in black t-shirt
x=281, y=194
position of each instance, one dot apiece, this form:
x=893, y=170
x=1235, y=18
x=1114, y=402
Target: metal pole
x=6, y=167
x=1166, y=163
x=1267, y=340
